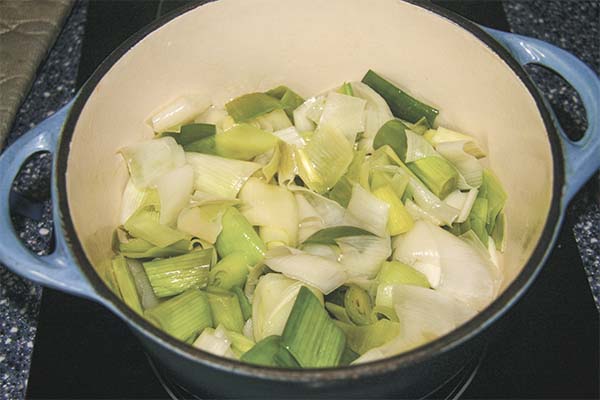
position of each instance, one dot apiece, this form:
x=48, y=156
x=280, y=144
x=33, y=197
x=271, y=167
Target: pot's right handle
x=582, y=158
x=56, y=270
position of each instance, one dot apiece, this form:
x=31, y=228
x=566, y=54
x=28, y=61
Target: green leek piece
x=140, y=248
x=238, y=235
x=289, y=99
x=251, y=105
x=399, y=220
x=324, y=159
x=492, y=190
x=270, y=352
x=240, y=344
x=231, y=271
x=329, y=235
x=342, y=191
x=437, y=174
x=392, y=134
x=379, y=179
x=191, y=133
x=346, y=89
x=358, y=305
x=182, y=316
x=207, y=146
x=126, y=284
x=244, y=303
x=395, y=272
x=401, y=104
x=274, y=121
x=419, y=127
x=498, y=232
x=226, y=309
x=244, y=142
x=338, y=312
x=310, y=335
x=477, y=219
x=387, y=312
x=171, y=276
x=364, y=338
x=348, y=356
x=144, y=224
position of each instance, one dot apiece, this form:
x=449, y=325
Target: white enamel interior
x=231, y=47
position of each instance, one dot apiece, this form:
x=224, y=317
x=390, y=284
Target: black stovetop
x=548, y=347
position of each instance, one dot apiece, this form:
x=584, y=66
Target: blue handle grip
x=582, y=158
x=55, y=270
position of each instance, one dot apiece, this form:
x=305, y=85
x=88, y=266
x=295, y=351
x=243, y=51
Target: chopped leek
x=170, y=276
x=393, y=134
x=361, y=256
x=230, y=272
x=140, y=248
x=364, y=338
x=342, y=191
x=126, y=283
x=399, y=220
x=444, y=135
x=273, y=121
x=144, y=224
x=324, y=160
x=471, y=171
x=477, y=219
x=367, y=211
x=220, y=176
x=402, y=105
x=289, y=99
x=395, y=272
x=251, y=105
x=178, y=112
x=310, y=335
x=174, y=189
x=329, y=235
x=203, y=222
x=147, y=297
x=358, y=305
x=338, y=312
x=238, y=235
x=149, y=160
x=215, y=341
x=225, y=308
x=243, y=142
x=208, y=145
x=377, y=113
x=492, y=190
x=344, y=113
x=134, y=198
x=192, y=133
x=245, y=305
x=499, y=231
x=439, y=176
x=182, y=316
x=270, y=352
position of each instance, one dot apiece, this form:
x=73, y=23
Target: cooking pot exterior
x=73, y=267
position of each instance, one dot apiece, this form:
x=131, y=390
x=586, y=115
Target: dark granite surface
x=572, y=25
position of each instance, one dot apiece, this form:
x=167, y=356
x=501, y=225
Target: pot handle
x=56, y=270
x=582, y=157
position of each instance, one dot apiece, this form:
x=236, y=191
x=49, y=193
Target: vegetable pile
x=298, y=233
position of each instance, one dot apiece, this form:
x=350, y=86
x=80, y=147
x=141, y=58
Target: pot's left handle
x=55, y=270
x=582, y=158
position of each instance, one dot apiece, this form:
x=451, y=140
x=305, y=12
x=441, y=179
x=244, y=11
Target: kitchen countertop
x=556, y=22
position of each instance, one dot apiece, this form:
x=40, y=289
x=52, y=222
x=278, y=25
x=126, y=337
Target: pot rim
x=420, y=354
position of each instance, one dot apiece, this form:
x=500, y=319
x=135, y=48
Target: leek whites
x=471, y=171
x=273, y=121
x=399, y=220
x=477, y=219
x=144, y=224
x=220, y=176
x=215, y=341
x=290, y=136
x=444, y=135
x=361, y=256
x=364, y=338
x=238, y=235
x=329, y=235
x=344, y=113
x=149, y=160
x=243, y=142
x=492, y=190
x=126, y=283
x=170, y=276
x=308, y=113
x=377, y=113
x=324, y=160
x=140, y=248
x=179, y=111
x=134, y=198
x=182, y=316
x=225, y=308
x=230, y=272
x=310, y=335
x=147, y=297
x=203, y=222
x=367, y=211
x=402, y=105
x=174, y=188
x=240, y=344
x=251, y=105
x=342, y=191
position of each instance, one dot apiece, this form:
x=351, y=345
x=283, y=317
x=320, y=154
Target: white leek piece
x=417, y=147
x=322, y=250
x=462, y=201
x=362, y=255
x=309, y=113
x=470, y=169
x=287, y=169
x=174, y=189
x=178, y=112
x=215, y=341
x=203, y=222
x=213, y=115
x=274, y=121
x=319, y=272
x=273, y=208
x=133, y=198
x=149, y=160
x=142, y=284
x=220, y=176
x=444, y=135
x=432, y=204
x=345, y=114
x=425, y=314
x=377, y=113
x=367, y=211
x=290, y=136
x=417, y=213
x=324, y=160
x=272, y=303
x=452, y=266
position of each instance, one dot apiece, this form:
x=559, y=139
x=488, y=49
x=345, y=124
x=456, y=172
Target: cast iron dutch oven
x=474, y=75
